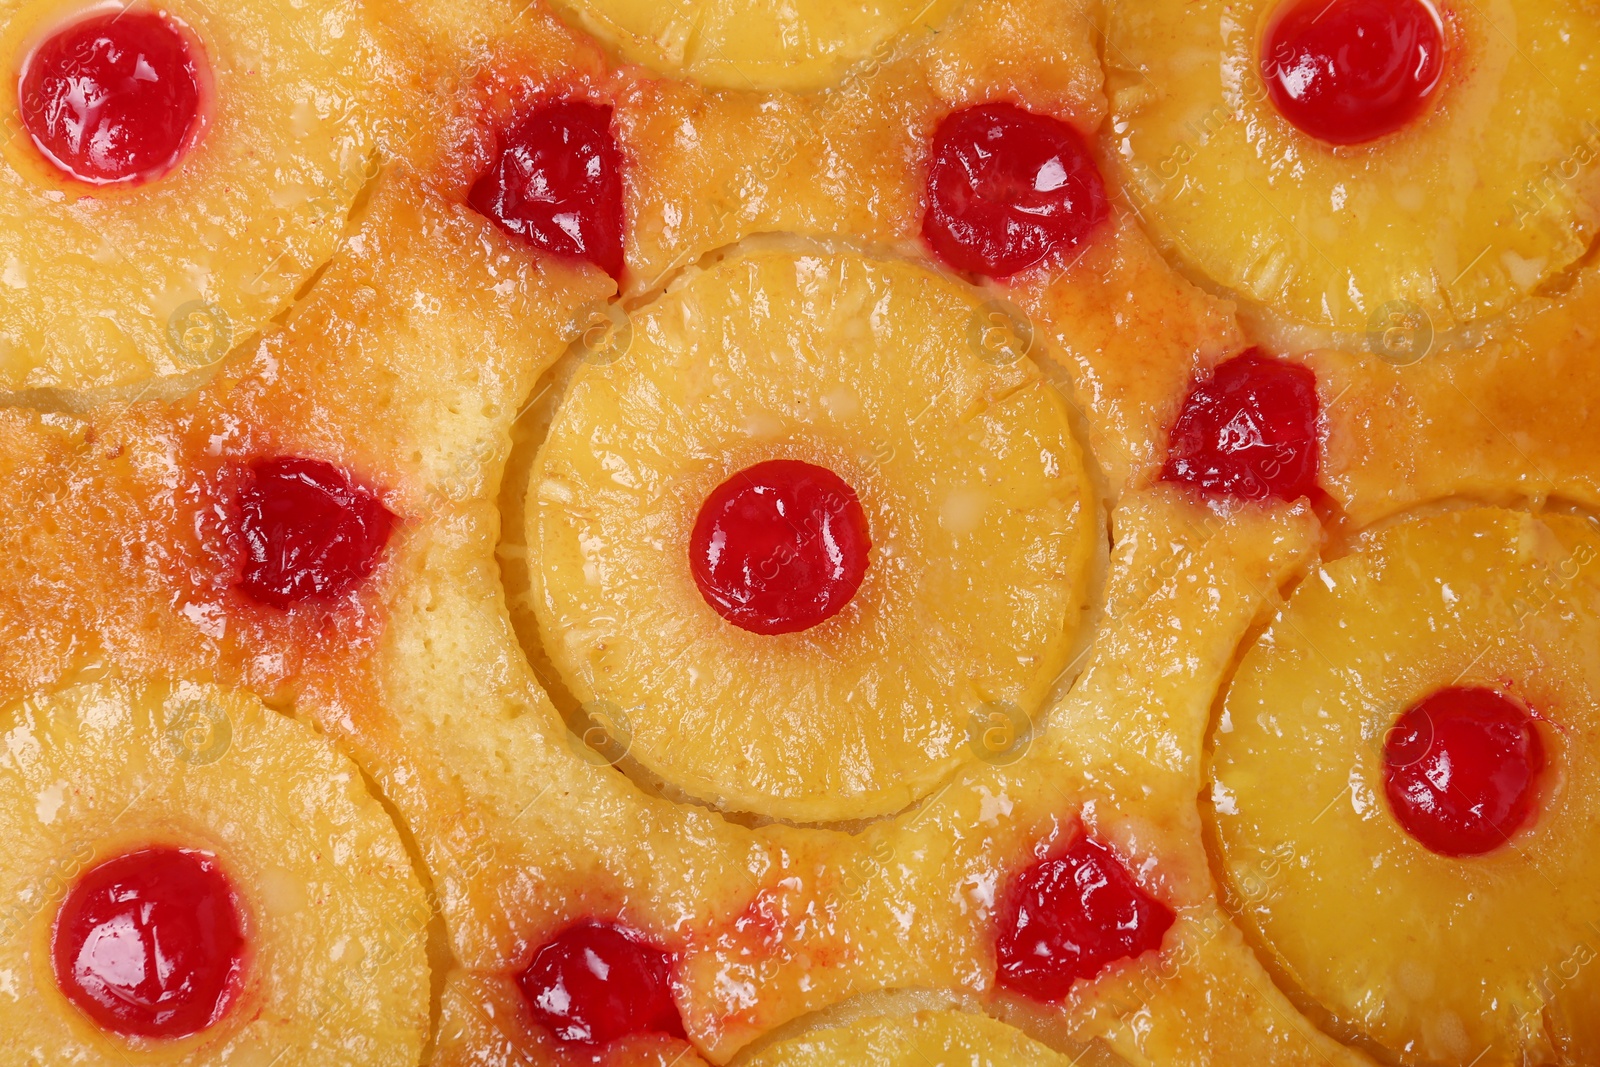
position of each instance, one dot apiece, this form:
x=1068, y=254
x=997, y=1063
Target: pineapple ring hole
x=830, y=421
x=1462, y=769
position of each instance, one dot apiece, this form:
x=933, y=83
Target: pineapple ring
x=336, y=970
x=755, y=44
x=108, y=286
x=922, y=1039
x=1437, y=959
x=983, y=525
x=1457, y=216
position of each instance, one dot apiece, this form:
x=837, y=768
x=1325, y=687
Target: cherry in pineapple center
x=1351, y=71
x=116, y=97
x=151, y=943
x=780, y=547
x=1461, y=770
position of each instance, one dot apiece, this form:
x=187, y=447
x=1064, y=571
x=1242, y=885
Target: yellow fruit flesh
x=909, y=903
x=1458, y=216
x=711, y=169
x=756, y=44
x=981, y=518
x=109, y=287
x=1439, y=960
x=925, y=1039
x=335, y=916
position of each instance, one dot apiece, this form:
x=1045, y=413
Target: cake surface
x=1005, y=532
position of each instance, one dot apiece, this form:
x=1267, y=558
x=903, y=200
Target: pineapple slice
x=982, y=523
x=108, y=285
x=333, y=916
x=756, y=44
x=1439, y=959
x=922, y=1039
x=1458, y=215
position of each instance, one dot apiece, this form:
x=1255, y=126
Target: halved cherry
x=1248, y=431
x=1008, y=188
x=113, y=98
x=1351, y=71
x=151, y=943
x=780, y=547
x=308, y=531
x=598, y=981
x=557, y=181
x=1069, y=916
x=1461, y=770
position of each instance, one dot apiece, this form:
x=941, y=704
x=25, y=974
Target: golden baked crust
x=444, y=363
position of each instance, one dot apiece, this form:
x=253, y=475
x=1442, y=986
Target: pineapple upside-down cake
x=985, y=532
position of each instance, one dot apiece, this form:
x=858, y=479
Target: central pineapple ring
x=982, y=522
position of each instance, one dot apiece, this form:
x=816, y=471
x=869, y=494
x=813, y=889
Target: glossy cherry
x=1461, y=770
x=151, y=944
x=1248, y=431
x=557, y=181
x=598, y=981
x=1351, y=71
x=1069, y=916
x=1008, y=188
x=114, y=97
x=307, y=531
x=780, y=547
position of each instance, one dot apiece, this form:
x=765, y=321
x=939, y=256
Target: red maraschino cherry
x=308, y=531
x=151, y=943
x=1070, y=916
x=1248, y=431
x=1351, y=71
x=1009, y=188
x=557, y=181
x=598, y=981
x=113, y=98
x=1461, y=770
x=780, y=547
